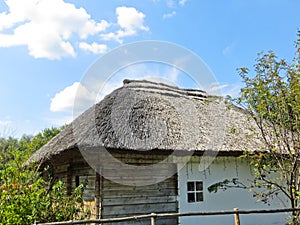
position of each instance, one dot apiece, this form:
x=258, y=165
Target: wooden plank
x=116, y=176
x=159, y=221
x=139, y=209
x=98, y=199
x=170, y=221
x=69, y=181
x=129, y=200
x=168, y=180
x=111, y=191
x=146, y=193
x=162, y=185
x=140, y=189
x=169, y=184
x=141, y=164
x=83, y=171
x=60, y=168
x=118, y=190
x=137, y=218
x=137, y=180
x=143, y=171
x=138, y=200
x=127, y=158
x=236, y=217
x=80, y=163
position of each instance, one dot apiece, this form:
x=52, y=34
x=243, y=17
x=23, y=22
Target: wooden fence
x=153, y=216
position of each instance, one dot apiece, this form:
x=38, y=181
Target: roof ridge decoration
x=161, y=88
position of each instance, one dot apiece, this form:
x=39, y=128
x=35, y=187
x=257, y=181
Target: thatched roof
x=144, y=115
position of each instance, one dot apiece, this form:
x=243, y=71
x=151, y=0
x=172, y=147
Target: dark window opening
x=77, y=181
x=195, y=191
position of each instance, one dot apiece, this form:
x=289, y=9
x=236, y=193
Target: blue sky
x=46, y=46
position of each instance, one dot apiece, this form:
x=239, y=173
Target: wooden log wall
x=122, y=200
x=108, y=199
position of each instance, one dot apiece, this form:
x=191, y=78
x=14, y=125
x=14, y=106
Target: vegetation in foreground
x=25, y=195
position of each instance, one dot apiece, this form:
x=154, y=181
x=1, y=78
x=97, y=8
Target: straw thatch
x=144, y=115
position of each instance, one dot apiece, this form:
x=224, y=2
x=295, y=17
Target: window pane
x=199, y=186
x=199, y=196
x=191, y=197
x=190, y=186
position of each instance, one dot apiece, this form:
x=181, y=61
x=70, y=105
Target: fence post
x=236, y=217
x=153, y=218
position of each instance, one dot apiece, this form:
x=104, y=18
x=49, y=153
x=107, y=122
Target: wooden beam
x=236, y=216
x=169, y=215
x=97, y=196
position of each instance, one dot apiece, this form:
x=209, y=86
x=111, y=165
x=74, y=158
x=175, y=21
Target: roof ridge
x=150, y=86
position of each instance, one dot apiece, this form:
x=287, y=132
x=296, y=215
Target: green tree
x=33, y=143
x=272, y=96
x=25, y=197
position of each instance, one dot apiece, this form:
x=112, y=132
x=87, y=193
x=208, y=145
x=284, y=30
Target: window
x=194, y=191
x=77, y=181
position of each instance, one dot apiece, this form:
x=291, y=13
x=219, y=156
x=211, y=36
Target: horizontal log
x=119, y=187
x=137, y=181
x=169, y=215
x=83, y=171
x=138, y=200
x=144, y=170
x=138, y=209
x=160, y=221
x=145, y=193
x=120, y=190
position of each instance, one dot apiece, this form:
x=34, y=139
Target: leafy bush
x=25, y=197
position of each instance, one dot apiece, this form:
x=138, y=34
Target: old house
x=150, y=147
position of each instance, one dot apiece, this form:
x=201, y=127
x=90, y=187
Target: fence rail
x=154, y=216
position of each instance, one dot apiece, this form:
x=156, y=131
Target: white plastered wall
x=220, y=169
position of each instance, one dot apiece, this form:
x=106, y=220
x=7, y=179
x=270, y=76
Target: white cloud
x=46, y=27
x=149, y=71
x=172, y=3
x=64, y=100
x=94, y=47
x=216, y=88
x=60, y=121
x=130, y=21
x=182, y=2
x=232, y=90
x=169, y=15
x=228, y=50
x=76, y=98
x=5, y=122
x=105, y=88
x=173, y=75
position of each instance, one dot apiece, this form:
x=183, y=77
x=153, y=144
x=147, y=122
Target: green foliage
x=25, y=197
x=225, y=184
x=272, y=96
x=32, y=144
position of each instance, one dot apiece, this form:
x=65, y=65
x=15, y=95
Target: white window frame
x=194, y=191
